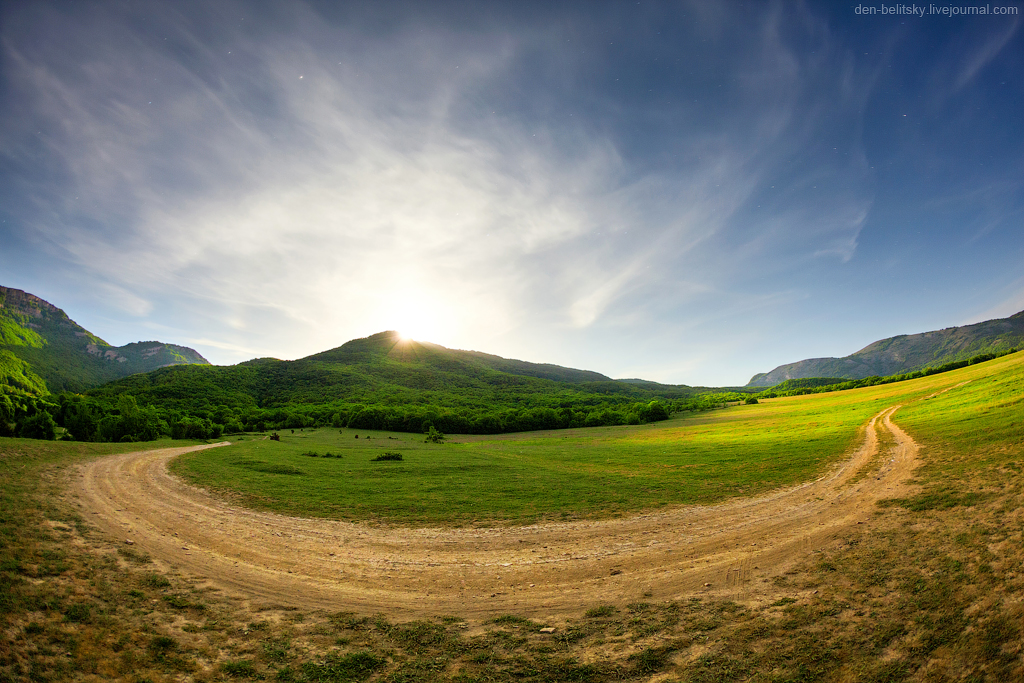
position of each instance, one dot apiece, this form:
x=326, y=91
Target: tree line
x=82, y=418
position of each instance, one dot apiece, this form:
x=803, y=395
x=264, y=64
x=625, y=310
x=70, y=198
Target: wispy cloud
x=291, y=180
x=983, y=54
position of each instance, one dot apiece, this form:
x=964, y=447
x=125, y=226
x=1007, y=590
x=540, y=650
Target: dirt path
x=544, y=571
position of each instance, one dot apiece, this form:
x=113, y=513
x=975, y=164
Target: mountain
x=43, y=350
x=390, y=347
x=384, y=381
x=906, y=352
x=380, y=369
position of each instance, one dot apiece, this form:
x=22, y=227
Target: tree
x=654, y=412
x=81, y=418
x=38, y=426
x=6, y=416
x=131, y=423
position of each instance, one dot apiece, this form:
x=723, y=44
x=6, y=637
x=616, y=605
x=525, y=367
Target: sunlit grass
x=588, y=473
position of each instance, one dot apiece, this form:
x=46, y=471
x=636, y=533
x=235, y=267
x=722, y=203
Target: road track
x=544, y=570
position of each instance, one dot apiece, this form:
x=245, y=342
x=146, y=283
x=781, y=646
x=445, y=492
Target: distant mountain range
x=42, y=349
x=906, y=353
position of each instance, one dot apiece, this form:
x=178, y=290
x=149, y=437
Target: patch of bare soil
x=547, y=571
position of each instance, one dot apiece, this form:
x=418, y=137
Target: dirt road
x=544, y=571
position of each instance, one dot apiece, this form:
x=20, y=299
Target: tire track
x=540, y=570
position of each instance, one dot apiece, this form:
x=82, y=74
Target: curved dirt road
x=545, y=570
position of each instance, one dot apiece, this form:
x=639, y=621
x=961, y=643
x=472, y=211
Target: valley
x=898, y=539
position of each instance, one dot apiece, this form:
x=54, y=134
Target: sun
x=415, y=322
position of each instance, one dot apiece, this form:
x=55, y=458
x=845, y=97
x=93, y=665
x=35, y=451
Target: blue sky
x=688, y=192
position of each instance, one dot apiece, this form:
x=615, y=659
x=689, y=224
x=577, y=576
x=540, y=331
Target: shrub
x=387, y=455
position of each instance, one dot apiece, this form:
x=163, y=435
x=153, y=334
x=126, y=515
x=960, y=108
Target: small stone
x=128, y=541
x=707, y=585
x=548, y=629
x=616, y=572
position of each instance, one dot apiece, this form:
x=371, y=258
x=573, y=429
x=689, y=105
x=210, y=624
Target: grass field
x=535, y=476
x=931, y=591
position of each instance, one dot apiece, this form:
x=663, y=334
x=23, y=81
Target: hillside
x=390, y=346
x=384, y=381
x=379, y=369
x=906, y=353
x=43, y=350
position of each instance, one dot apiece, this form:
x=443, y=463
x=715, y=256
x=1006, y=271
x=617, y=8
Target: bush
x=388, y=455
x=434, y=436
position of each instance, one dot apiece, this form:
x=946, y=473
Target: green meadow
x=587, y=473
x=929, y=590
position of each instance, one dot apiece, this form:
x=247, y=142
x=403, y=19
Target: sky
x=685, y=192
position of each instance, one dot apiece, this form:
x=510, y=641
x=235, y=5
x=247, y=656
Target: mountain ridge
x=906, y=352
x=392, y=344
x=42, y=350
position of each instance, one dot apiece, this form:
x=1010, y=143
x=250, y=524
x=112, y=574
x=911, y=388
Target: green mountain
x=383, y=381
x=382, y=369
x=390, y=349
x=906, y=353
x=42, y=350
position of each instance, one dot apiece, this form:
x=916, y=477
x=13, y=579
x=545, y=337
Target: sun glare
x=415, y=322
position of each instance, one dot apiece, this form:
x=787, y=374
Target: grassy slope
x=929, y=591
